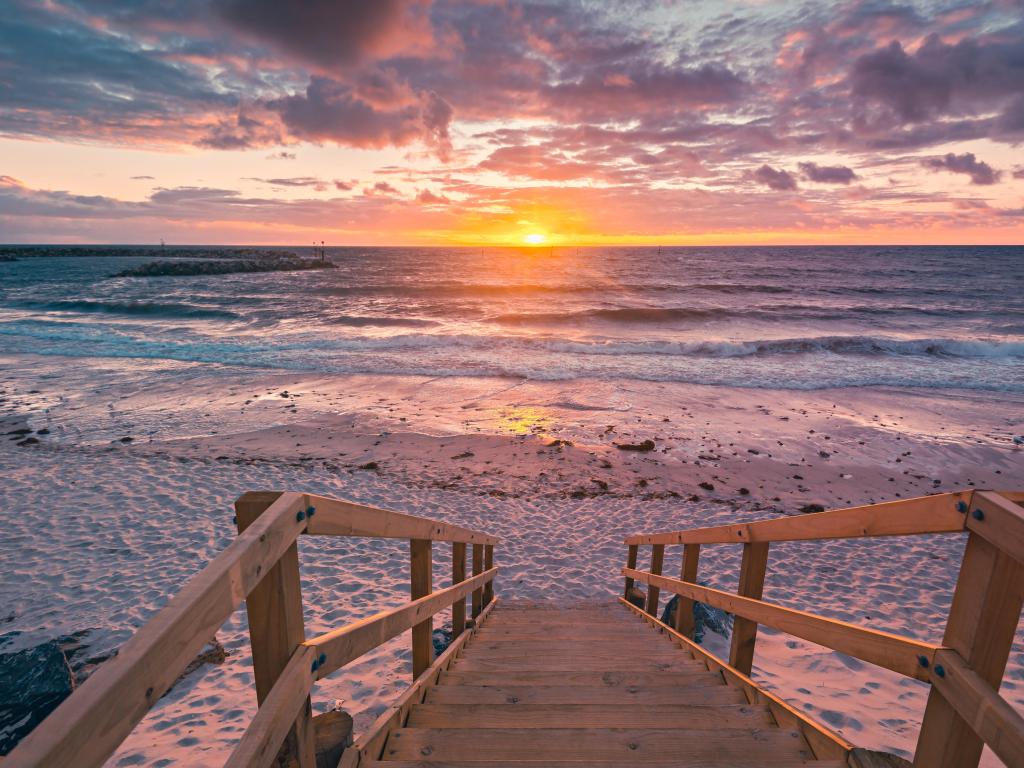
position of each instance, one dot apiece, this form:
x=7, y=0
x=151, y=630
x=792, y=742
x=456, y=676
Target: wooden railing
x=964, y=709
x=261, y=567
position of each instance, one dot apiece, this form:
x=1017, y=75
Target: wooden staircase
x=594, y=685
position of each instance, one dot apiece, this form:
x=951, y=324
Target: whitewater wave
x=130, y=308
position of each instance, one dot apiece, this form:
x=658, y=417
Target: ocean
x=768, y=317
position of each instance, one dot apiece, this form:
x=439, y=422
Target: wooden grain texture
x=478, y=568
x=631, y=556
x=458, y=576
x=276, y=628
x=261, y=742
x=628, y=746
x=744, y=631
x=370, y=745
x=421, y=585
x=982, y=621
x=989, y=715
x=687, y=572
x=926, y=514
x=337, y=517
x=541, y=716
x=657, y=561
x=89, y=725
x=691, y=691
x=1001, y=521
x=824, y=743
x=488, y=594
x=899, y=654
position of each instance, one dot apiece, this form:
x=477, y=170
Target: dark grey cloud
x=775, y=178
x=827, y=174
x=979, y=171
x=294, y=181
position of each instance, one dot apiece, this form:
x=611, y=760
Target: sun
x=535, y=238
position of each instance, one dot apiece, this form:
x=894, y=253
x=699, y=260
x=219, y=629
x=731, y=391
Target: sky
x=454, y=122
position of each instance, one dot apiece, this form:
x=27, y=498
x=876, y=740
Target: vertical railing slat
x=458, y=575
x=488, y=564
x=657, y=560
x=630, y=563
x=688, y=572
x=421, y=551
x=744, y=631
x=478, y=568
x=276, y=628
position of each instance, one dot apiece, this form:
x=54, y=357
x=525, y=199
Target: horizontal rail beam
x=91, y=723
x=926, y=514
x=990, y=716
x=266, y=733
x=994, y=517
x=900, y=654
x=343, y=645
x=335, y=517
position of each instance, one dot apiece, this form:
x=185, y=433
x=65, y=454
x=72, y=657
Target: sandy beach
x=127, y=491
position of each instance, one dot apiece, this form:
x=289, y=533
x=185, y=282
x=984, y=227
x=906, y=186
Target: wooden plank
x=900, y=654
x=710, y=693
x=587, y=716
x=458, y=576
x=990, y=716
x=337, y=517
x=744, y=631
x=488, y=564
x=982, y=622
x=629, y=746
x=421, y=585
x=707, y=762
x=687, y=572
x=261, y=742
x=87, y=727
x=823, y=742
x=926, y=514
x=478, y=567
x=657, y=561
x=631, y=556
x=370, y=745
x=276, y=628
x=1001, y=521
x=685, y=676
x=558, y=634
x=341, y=646
x=609, y=662
x=652, y=647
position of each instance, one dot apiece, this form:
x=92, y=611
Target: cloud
x=427, y=197
x=141, y=178
x=282, y=155
x=343, y=186
x=979, y=171
x=333, y=33
x=827, y=174
x=295, y=181
x=380, y=188
x=330, y=110
x=775, y=178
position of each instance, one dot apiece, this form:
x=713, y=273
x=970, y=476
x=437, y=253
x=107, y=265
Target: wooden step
x=615, y=680
x=623, y=647
x=690, y=718
x=628, y=746
x=569, y=664
x=506, y=692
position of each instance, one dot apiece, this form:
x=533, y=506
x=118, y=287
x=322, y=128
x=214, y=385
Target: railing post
x=488, y=564
x=478, y=568
x=458, y=575
x=684, y=607
x=657, y=560
x=421, y=551
x=982, y=623
x=276, y=629
x=630, y=563
x=744, y=631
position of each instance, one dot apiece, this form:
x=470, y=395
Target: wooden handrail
x=927, y=514
x=893, y=652
x=260, y=566
x=964, y=707
x=340, y=646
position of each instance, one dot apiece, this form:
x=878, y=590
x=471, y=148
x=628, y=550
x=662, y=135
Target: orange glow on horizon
x=535, y=238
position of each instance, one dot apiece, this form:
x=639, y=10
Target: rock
x=744, y=491
x=808, y=509
x=441, y=638
x=706, y=486
x=637, y=597
x=28, y=441
x=211, y=653
x=370, y=465
x=646, y=445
